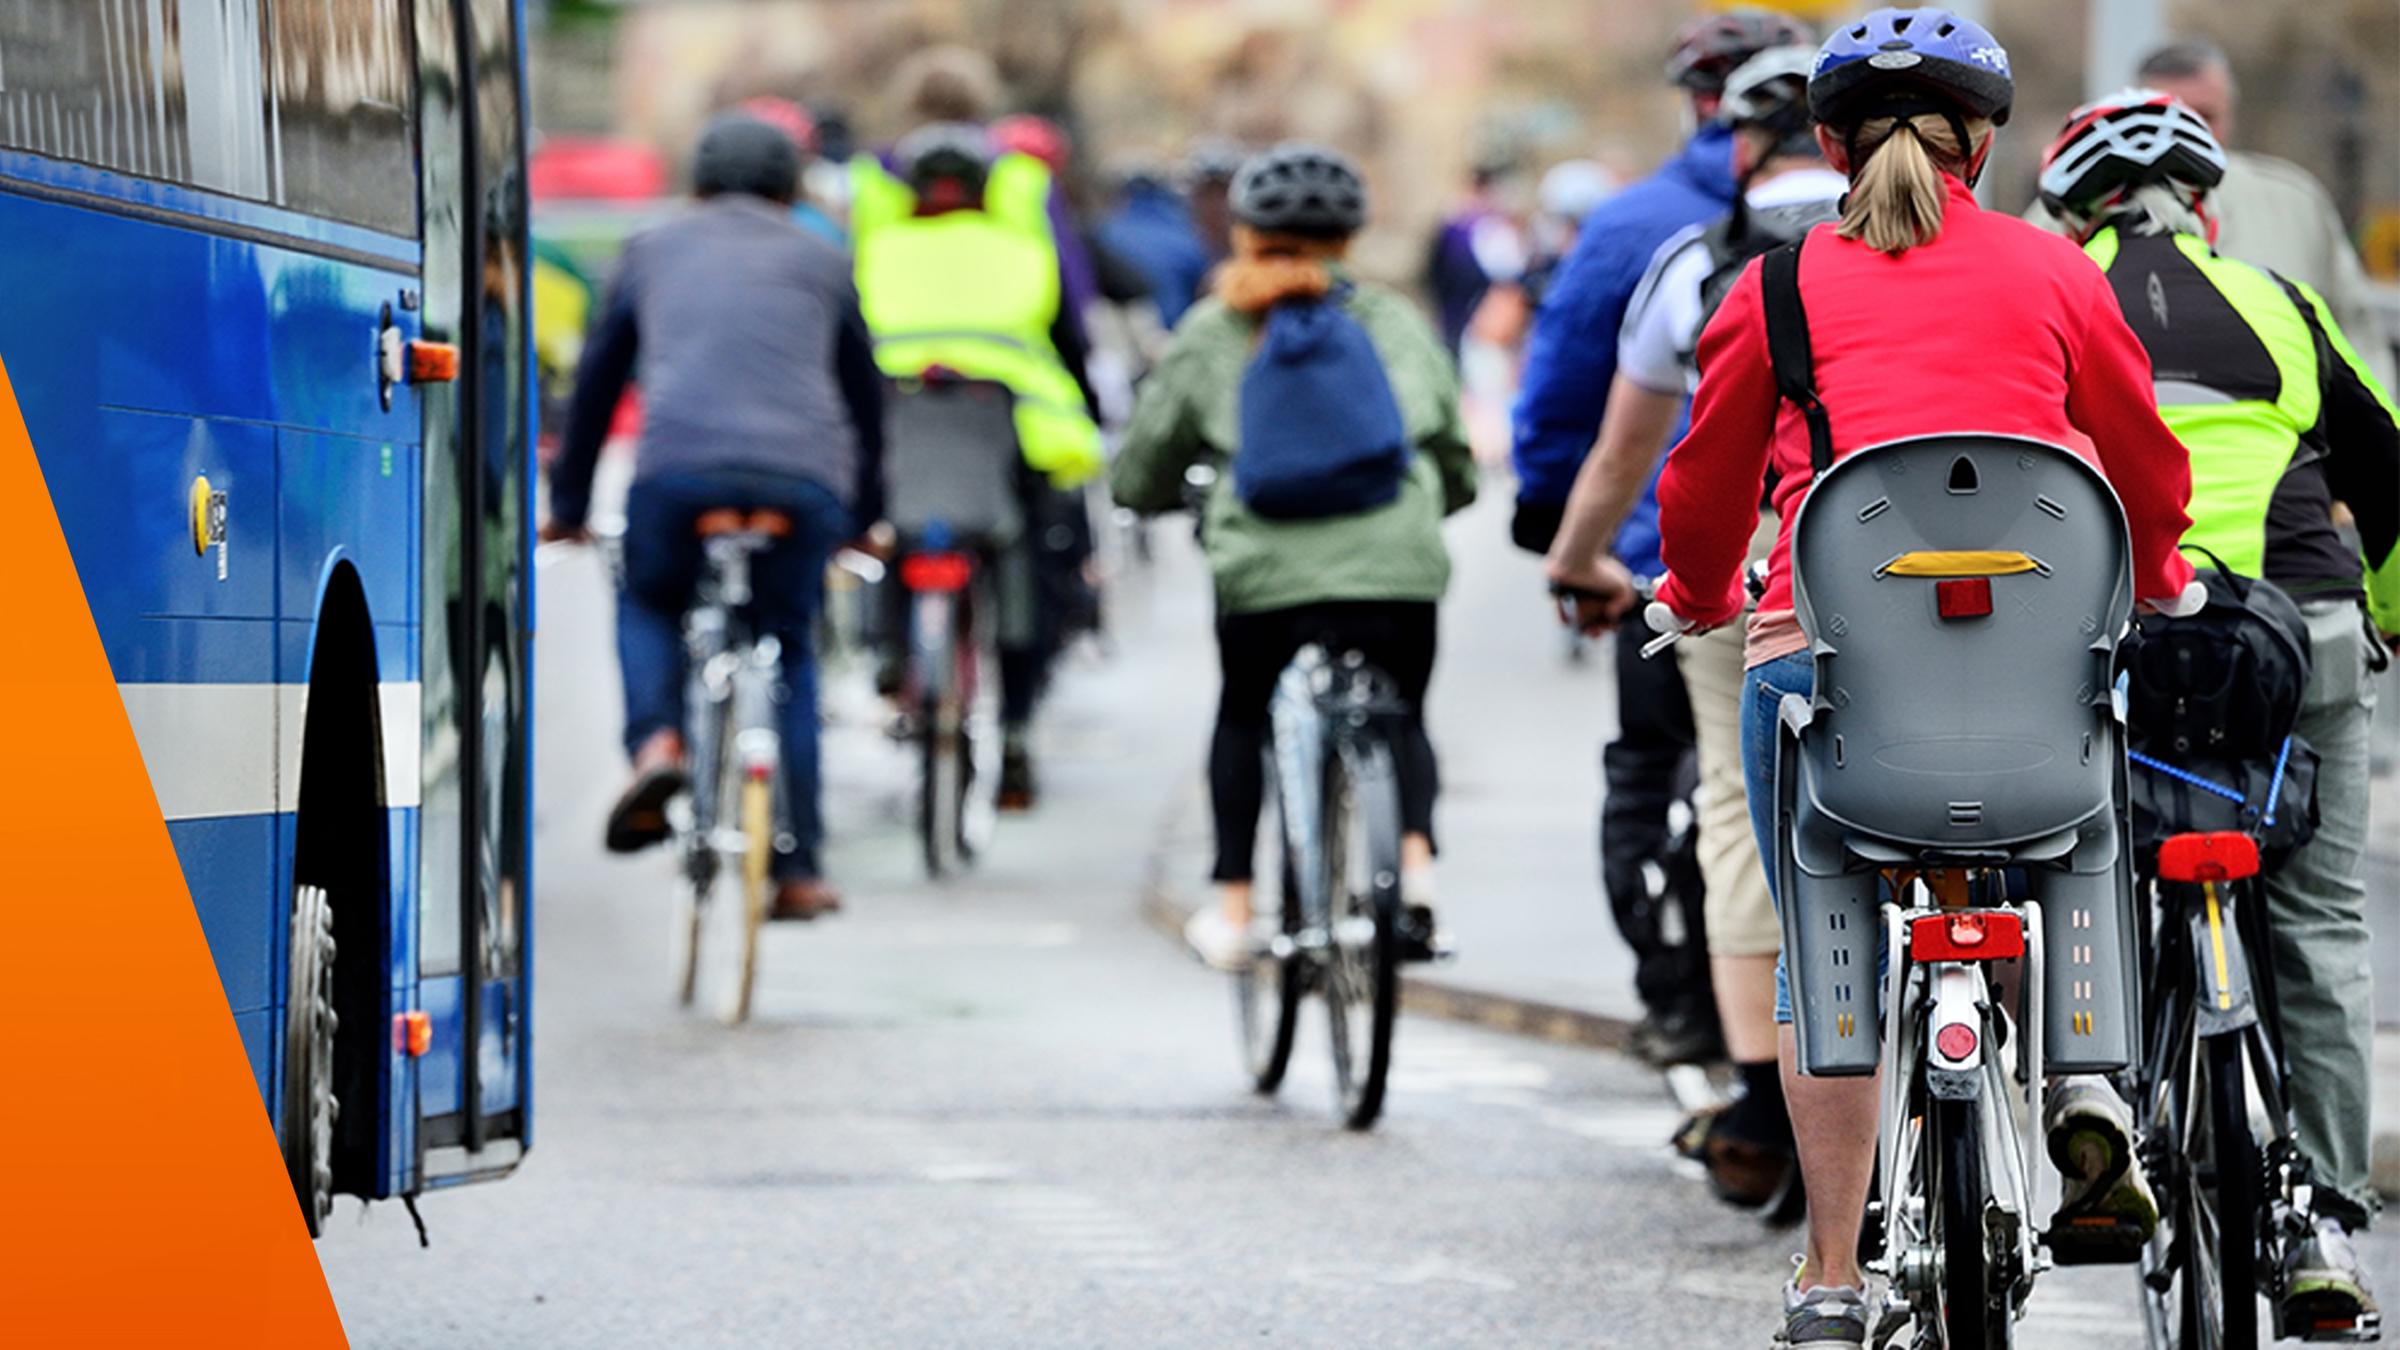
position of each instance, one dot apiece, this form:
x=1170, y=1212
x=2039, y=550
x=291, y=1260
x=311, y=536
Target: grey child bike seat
x=1963, y=597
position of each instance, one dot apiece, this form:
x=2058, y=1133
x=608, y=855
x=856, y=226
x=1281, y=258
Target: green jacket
x=1188, y=414
x=2281, y=417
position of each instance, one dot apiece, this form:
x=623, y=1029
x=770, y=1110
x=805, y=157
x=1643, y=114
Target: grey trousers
x=2316, y=908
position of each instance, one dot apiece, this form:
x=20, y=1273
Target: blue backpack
x=1321, y=434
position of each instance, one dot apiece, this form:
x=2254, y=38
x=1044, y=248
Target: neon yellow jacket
x=977, y=292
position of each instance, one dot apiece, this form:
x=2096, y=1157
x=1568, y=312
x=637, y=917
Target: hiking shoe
x=2106, y=1210
x=2324, y=1292
x=1018, y=791
x=1830, y=1317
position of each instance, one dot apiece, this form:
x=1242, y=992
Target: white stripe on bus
x=234, y=749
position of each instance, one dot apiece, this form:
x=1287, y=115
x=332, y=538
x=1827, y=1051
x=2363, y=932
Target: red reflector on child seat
x=1967, y=935
x=1964, y=597
x=1956, y=1041
x=936, y=571
x=2225, y=855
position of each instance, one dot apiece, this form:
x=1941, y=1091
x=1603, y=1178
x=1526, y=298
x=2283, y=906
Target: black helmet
x=739, y=153
x=1297, y=188
x=1707, y=50
x=948, y=161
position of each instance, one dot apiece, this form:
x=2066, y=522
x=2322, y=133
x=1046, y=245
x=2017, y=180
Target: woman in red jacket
x=1927, y=315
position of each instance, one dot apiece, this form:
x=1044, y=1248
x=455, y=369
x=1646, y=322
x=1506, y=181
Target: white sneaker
x=1220, y=941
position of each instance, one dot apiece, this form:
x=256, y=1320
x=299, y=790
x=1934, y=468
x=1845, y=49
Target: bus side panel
x=223, y=861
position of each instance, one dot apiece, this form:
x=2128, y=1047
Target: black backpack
x=2226, y=683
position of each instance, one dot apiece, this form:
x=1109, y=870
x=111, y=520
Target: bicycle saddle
x=734, y=520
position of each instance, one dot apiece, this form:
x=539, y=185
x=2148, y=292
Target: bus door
x=474, y=946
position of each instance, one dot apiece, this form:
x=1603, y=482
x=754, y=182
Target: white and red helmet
x=2114, y=146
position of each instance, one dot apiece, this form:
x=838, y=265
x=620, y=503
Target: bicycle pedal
x=2359, y=1330
x=2095, y=1240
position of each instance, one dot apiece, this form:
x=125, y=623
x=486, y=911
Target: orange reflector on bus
x=412, y=1033
x=432, y=362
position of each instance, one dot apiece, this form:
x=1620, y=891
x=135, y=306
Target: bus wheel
x=309, y=1023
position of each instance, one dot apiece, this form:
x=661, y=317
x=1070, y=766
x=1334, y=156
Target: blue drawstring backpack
x=1321, y=433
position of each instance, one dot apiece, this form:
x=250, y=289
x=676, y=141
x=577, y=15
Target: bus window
x=340, y=108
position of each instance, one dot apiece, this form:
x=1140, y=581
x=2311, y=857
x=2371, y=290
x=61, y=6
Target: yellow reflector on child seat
x=1966, y=563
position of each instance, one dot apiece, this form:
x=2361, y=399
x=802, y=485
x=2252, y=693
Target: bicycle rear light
x=1967, y=935
x=1963, y=598
x=941, y=572
x=2225, y=855
x=1955, y=1041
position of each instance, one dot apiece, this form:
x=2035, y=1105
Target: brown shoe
x=639, y=818
x=1744, y=1174
x=804, y=900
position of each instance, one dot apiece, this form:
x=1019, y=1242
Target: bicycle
x=2215, y=1097
x=1914, y=829
x=1337, y=913
x=940, y=692
x=735, y=815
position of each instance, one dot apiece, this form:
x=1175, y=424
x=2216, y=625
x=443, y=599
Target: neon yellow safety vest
x=977, y=292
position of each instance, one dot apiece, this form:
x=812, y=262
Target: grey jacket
x=746, y=335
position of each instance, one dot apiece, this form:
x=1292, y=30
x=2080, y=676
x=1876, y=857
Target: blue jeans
x=663, y=562
x=1763, y=688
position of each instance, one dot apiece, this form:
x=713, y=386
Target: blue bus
x=263, y=299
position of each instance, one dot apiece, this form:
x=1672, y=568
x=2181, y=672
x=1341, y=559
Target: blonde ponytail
x=1896, y=192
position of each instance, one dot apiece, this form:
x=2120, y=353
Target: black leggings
x=1396, y=636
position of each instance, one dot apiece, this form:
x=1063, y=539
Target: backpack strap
x=1788, y=344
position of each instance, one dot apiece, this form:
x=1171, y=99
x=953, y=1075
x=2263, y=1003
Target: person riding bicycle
x=2283, y=420
x=761, y=393
x=1570, y=367
x=958, y=271
x=1927, y=315
x=1787, y=189
x=1350, y=553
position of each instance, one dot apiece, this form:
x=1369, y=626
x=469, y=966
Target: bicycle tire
x=758, y=853
x=1362, y=795
x=709, y=733
x=1973, y=1317
x=941, y=791
x=2221, y=1229
x=1267, y=994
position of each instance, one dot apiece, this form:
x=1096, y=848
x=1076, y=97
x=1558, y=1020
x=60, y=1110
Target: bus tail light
x=1967, y=935
x=432, y=362
x=412, y=1034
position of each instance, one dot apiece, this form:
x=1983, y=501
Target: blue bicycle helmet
x=1900, y=62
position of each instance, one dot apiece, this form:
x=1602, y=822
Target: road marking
x=1425, y=1270
x=1087, y=1231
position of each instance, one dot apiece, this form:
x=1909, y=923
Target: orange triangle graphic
x=142, y=1196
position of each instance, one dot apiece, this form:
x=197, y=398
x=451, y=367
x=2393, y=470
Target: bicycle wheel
x=1361, y=839
x=699, y=861
x=2219, y=1224
x=942, y=788
x=1974, y=1315
x=757, y=814
x=1266, y=995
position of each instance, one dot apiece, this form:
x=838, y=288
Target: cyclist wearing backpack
x=2282, y=420
x=1335, y=410
x=1926, y=315
x=1747, y=1147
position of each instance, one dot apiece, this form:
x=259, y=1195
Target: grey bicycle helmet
x=1770, y=92
x=739, y=153
x=1302, y=189
x=1709, y=49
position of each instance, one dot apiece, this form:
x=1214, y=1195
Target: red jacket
x=1995, y=326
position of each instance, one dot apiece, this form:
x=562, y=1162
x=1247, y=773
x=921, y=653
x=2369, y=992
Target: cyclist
x=1367, y=579
x=2282, y=420
x=958, y=269
x=2023, y=339
x=760, y=389
x=1570, y=363
x=1787, y=188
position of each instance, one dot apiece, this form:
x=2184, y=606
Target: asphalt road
x=1004, y=1112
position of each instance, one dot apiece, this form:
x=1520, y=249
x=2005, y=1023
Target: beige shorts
x=1741, y=915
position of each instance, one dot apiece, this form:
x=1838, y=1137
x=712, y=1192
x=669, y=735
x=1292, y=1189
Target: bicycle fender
x=2222, y=994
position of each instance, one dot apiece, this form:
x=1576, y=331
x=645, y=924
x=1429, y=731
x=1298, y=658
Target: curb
x=1432, y=996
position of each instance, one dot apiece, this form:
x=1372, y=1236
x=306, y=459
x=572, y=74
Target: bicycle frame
x=733, y=684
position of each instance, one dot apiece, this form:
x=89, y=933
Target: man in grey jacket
x=760, y=393
x=2272, y=213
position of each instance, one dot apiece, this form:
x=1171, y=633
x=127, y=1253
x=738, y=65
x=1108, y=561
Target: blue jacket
x=1571, y=357
x=1153, y=231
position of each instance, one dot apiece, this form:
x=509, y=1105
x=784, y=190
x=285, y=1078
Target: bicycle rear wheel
x=1267, y=993
x=757, y=882
x=2218, y=1223
x=1361, y=839
x=1975, y=1315
x=942, y=791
